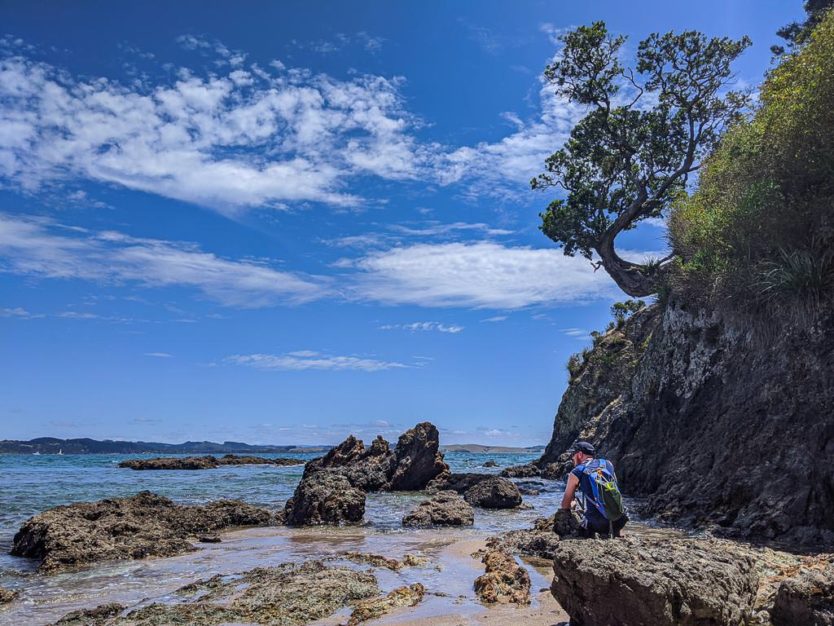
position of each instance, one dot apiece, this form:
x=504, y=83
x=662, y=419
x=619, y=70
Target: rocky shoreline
x=644, y=578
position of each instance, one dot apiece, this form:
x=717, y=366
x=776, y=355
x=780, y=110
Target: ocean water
x=32, y=483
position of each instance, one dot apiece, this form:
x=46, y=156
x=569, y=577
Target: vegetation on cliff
x=759, y=230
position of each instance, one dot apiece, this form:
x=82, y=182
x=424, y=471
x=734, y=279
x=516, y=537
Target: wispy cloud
x=17, y=312
x=424, y=327
x=577, y=333
x=311, y=360
x=45, y=249
x=479, y=275
x=159, y=355
x=495, y=318
x=239, y=139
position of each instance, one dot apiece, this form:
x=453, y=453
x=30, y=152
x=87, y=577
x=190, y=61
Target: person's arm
x=570, y=491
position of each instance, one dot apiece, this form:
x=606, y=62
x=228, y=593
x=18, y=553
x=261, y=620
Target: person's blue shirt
x=592, y=513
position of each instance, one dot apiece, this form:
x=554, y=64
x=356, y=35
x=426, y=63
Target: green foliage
x=760, y=228
x=621, y=311
x=795, y=34
x=646, y=131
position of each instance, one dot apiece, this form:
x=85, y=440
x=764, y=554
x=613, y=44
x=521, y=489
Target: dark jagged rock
x=324, y=497
x=203, y=462
x=418, y=458
x=539, y=541
x=7, y=595
x=529, y=470
x=807, y=598
x=126, y=528
x=236, y=459
x=490, y=463
x=676, y=582
x=504, y=582
x=415, y=461
x=493, y=493
x=446, y=508
x=172, y=463
x=483, y=490
x=99, y=616
x=678, y=393
x=374, y=608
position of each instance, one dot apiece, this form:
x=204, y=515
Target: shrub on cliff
x=760, y=227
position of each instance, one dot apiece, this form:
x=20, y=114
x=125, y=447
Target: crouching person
x=594, y=485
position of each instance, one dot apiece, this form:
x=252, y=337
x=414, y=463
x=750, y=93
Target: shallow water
x=30, y=484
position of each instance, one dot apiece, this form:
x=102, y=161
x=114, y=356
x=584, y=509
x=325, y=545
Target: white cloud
x=228, y=141
x=504, y=168
x=434, y=229
x=41, y=248
x=425, y=326
x=495, y=318
x=310, y=360
x=578, y=333
x=159, y=355
x=480, y=275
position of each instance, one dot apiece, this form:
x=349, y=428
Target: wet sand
x=448, y=576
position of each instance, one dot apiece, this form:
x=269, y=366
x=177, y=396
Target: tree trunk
x=636, y=280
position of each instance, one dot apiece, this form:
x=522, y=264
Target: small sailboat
x=60, y=451
x=36, y=453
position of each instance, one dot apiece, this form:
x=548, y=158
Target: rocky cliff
x=714, y=423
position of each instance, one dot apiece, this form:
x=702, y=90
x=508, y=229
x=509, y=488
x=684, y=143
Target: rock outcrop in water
x=203, y=462
x=444, y=509
x=675, y=582
x=483, y=490
x=504, y=582
x=324, y=497
x=126, y=528
x=288, y=594
x=7, y=595
x=713, y=424
x=410, y=466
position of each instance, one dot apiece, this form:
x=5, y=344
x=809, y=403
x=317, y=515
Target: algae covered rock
x=807, y=598
x=324, y=497
x=366, y=610
x=446, y=508
x=639, y=582
x=7, y=595
x=504, y=582
x=126, y=528
x=529, y=470
x=99, y=616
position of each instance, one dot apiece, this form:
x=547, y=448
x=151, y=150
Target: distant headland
x=52, y=445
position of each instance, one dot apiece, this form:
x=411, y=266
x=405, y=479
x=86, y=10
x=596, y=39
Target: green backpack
x=606, y=494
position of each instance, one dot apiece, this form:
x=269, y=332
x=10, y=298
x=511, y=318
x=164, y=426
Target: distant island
x=476, y=448
x=52, y=445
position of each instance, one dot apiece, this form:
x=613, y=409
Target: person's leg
x=619, y=524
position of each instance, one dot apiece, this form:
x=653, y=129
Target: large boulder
x=324, y=497
x=493, y=493
x=806, y=599
x=126, y=528
x=414, y=462
x=417, y=458
x=444, y=509
x=504, y=582
x=484, y=490
x=367, y=469
x=640, y=582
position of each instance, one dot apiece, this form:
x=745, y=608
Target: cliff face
x=713, y=425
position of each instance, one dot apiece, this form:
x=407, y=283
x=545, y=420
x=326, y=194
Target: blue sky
x=284, y=222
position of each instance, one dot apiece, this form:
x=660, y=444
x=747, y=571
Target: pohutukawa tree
x=646, y=131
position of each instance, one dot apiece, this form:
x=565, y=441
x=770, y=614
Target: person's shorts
x=603, y=531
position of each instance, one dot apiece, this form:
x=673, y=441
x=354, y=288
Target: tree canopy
x=646, y=131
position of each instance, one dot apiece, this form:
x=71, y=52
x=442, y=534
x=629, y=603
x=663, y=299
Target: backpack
x=606, y=494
